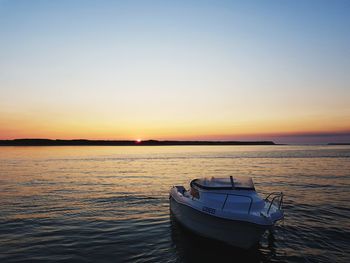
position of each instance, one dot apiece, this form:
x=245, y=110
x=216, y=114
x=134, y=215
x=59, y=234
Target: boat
x=226, y=209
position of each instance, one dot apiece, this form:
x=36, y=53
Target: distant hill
x=82, y=142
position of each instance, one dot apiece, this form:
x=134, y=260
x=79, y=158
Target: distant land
x=82, y=142
x=339, y=143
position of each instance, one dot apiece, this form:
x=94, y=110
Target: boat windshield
x=228, y=183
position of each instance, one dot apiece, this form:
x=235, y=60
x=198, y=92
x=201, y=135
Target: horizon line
x=149, y=142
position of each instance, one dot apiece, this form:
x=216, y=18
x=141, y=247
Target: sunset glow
x=166, y=70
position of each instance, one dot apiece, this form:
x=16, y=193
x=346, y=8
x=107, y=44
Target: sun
x=138, y=140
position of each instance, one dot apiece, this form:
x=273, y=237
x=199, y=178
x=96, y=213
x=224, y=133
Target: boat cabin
x=227, y=193
x=229, y=183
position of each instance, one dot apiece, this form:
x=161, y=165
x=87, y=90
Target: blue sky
x=174, y=69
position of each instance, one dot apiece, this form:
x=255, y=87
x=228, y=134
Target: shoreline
x=83, y=142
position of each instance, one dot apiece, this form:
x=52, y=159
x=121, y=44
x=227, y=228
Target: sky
x=184, y=70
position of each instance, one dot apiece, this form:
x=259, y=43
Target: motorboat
x=226, y=209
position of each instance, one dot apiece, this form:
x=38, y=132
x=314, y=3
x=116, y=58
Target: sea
x=111, y=203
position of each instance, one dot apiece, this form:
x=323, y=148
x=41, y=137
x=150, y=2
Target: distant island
x=82, y=142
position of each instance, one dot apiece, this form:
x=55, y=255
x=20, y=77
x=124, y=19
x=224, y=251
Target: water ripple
x=111, y=204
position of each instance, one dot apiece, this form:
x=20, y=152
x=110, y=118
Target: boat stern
x=273, y=209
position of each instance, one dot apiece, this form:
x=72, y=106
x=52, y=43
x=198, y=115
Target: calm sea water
x=110, y=204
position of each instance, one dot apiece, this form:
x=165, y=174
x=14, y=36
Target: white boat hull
x=237, y=233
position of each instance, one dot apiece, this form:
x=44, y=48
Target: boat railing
x=275, y=197
x=250, y=204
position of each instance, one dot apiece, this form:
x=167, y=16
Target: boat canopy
x=228, y=183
